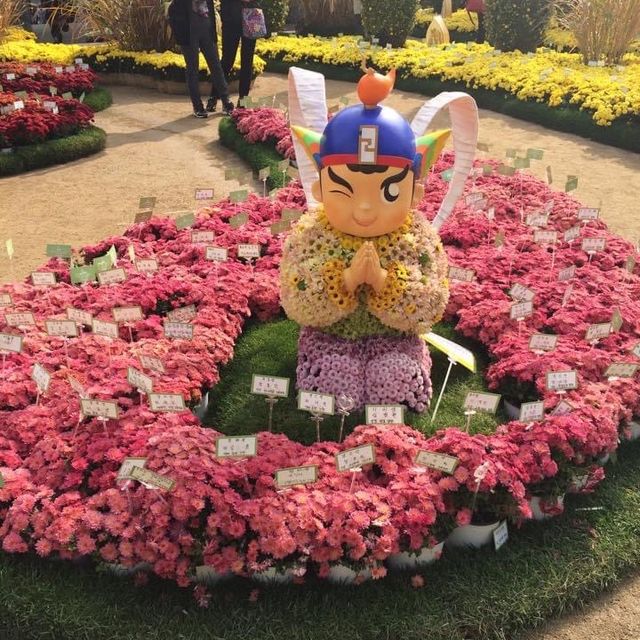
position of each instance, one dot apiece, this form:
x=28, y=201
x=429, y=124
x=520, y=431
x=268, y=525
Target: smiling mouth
x=365, y=222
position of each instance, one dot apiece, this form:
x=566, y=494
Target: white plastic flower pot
x=341, y=574
x=634, y=430
x=274, y=576
x=512, y=410
x=405, y=561
x=200, y=410
x=472, y=536
x=540, y=506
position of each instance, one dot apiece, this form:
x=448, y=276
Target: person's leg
x=218, y=83
x=191, y=55
x=481, y=34
x=230, y=42
x=246, y=65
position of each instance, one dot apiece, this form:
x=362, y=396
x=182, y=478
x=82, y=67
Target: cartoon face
x=367, y=200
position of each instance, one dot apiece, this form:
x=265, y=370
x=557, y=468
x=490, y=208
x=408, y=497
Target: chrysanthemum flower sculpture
x=362, y=272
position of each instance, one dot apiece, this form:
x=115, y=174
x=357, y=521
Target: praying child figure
x=364, y=274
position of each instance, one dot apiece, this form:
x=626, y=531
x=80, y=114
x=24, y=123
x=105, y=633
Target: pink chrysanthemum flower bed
x=60, y=494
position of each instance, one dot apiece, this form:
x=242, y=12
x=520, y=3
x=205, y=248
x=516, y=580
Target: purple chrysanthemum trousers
x=372, y=370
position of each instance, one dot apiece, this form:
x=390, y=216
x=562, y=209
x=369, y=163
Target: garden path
x=155, y=148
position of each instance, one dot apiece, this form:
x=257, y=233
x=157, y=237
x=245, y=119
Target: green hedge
x=624, y=135
x=36, y=156
x=99, y=99
x=257, y=156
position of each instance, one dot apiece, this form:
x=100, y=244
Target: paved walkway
x=156, y=148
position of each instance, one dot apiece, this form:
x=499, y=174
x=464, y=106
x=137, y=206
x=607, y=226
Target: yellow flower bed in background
x=546, y=76
x=28, y=51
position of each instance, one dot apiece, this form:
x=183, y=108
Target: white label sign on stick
x=562, y=380
x=205, y=194
x=636, y=350
x=41, y=377
x=272, y=386
x=183, y=314
x=355, y=458
x=178, y=330
x=521, y=310
x=237, y=447
x=521, y=293
x=113, y=276
x=105, y=329
x=545, y=237
x=106, y=409
x=202, y=237
x=139, y=380
x=43, y=278
x=127, y=314
x=294, y=476
x=61, y=328
x=76, y=386
x=24, y=319
x=79, y=316
x=5, y=300
x=477, y=401
x=438, y=461
x=463, y=275
x=543, y=342
x=217, y=254
x=166, y=402
x=151, y=363
x=531, y=411
x=152, y=479
x=500, y=535
x=10, y=343
x=588, y=213
x=563, y=408
x=572, y=234
x=318, y=403
x=249, y=251
x=537, y=220
x=598, y=331
x=384, y=414
x=621, y=370
x=593, y=245
x=147, y=265
x=567, y=274
x=128, y=465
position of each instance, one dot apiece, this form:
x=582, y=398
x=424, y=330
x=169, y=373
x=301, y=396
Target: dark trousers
x=203, y=40
x=232, y=38
x=481, y=34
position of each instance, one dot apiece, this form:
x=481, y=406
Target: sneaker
x=212, y=105
x=227, y=107
x=200, y=113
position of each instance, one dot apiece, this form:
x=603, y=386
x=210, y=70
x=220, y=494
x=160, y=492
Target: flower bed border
x=567, y=120
x=60, y=151
x=257, y=156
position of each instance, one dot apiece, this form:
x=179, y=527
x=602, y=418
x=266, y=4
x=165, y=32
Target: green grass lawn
x=270, y=349
x=545, y=568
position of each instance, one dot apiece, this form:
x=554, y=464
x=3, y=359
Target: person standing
x=480, y=8
x=232, y=37
x=194, y=26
